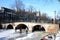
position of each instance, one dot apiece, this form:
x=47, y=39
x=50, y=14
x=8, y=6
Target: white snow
x=31, y=36
x=58, y=36
x=28, y=37
x=7, y=34
x=12, y=35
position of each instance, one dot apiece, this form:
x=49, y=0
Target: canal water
x=14, y=35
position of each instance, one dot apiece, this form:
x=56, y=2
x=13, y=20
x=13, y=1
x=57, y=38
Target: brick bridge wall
x=52, y=28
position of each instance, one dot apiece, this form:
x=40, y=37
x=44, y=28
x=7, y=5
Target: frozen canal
x=12, y=35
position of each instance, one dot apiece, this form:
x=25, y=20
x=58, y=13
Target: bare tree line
x=20, y=8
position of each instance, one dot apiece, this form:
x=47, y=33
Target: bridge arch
x=21, y=26
x=9, y=26
x=38, y=28
x=1, y=27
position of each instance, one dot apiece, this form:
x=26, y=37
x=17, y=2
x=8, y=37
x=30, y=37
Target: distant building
x=6, y=15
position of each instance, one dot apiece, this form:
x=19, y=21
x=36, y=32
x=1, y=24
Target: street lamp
x=54, y=17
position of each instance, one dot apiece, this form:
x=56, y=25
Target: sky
x=44, y=6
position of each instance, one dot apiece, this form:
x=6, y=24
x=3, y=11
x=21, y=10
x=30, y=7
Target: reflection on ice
x=32, y=36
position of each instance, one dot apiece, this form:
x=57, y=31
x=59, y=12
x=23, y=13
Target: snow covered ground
x=12, y=35
x=58, y=36
x=32, y=36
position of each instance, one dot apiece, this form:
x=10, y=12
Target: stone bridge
x=53, y=28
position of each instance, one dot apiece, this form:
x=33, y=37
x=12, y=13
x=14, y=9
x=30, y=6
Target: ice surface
x=6, y=34
x=12, y=35
x=58, y=36
x=31, y=36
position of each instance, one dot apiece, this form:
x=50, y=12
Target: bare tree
x=18, y=5
x=58, y=14
x=44, y=17
x=31, y=9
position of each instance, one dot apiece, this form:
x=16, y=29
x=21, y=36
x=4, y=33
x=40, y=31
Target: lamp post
x=54, y=17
